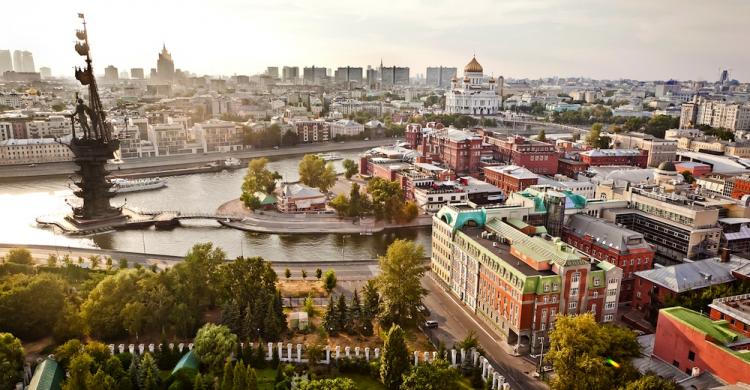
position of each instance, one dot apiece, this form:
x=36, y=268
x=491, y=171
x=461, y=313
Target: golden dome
x=473, y=66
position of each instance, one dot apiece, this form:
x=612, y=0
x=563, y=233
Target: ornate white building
x=475, y=94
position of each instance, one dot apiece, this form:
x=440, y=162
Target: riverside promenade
x=274, y=222
x=166, y=163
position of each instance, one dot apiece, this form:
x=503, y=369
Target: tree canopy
x=435, y=375
x=11, y=360
x=257, y=179
x=395, y=360
x=314, y=172
x=399, y=282
x=213, y=345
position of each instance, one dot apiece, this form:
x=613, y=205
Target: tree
x=103, y=308
x=251, y=378
x=579, y=349
x=595, y=139
x=411, y=211
x=30, y=305
x=19, y=256
x=651, y=382
x=287, y=273
x=343, y=314
x=11, y=361
x=350, y=168
x=688, y=177
x=213, y=345
x=371, y=299
x=314, y=172
x=258, y=179
x=95, y=260
x=123, y=263
x=341, y=204
x=318, y=273
x=395, y=360
x=329, y=280
x=149, y=372
x=51, y=260
x=304, y=274
x=330, y=319
x=542, y=136
x=134, y=317
x=309, y=306
x=79, y=372
x=436, y=375
x=227, y=379
x=329, y=384
x=387, y=199
x=399, y=282
x=69, y=324
x=240, y=376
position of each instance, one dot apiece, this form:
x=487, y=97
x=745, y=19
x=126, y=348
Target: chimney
x=724, y=255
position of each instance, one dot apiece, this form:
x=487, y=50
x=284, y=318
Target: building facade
x=631, y=157
x=510, y=178
x=536, y=156
x=659, y=150
x=714, y=113
x=440, y=76
x=475, y=94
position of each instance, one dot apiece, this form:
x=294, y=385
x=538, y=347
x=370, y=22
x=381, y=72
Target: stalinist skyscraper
x=165, y=65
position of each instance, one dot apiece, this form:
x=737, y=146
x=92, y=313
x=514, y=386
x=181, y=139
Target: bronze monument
x=92, y=147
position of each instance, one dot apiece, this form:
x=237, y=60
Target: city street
x=455, y=323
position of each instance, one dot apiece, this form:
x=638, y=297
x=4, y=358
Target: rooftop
x=717, y=331
x=513, y=171
x=694, y=275
x=503, y=252
x=612, y=152
x=737, y=307
x=538, y=248
x=607, y=233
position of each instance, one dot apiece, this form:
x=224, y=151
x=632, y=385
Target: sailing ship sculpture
x=92, y=146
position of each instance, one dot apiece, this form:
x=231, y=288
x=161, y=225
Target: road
x=66, y=168
x=349, y=270
x=454, y=325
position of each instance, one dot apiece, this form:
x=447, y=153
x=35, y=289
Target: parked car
x=430, y=324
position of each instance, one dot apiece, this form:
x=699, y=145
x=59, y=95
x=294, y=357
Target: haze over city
x=518, y=39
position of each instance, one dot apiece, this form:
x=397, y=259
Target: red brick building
x=741, y=186
x=414, y=132
x=510, y=178
x=691, y=341
x=632, y=157
x=538, y=157
x=735, y=311
x=652, y=288
x=458, y=150
x=571, y=168
x=605, y=241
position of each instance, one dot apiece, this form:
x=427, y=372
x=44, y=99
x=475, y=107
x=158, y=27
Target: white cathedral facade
x=475, y=94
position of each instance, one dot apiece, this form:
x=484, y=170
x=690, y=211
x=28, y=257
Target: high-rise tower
x=165, y=65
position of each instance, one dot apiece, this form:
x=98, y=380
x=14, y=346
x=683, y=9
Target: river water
x=21, y=201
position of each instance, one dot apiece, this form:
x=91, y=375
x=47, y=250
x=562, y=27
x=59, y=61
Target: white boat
x=121, y=186
x=232, y=162
x=329, y=156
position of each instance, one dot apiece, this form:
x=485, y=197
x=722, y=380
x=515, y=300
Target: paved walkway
x=274, y=222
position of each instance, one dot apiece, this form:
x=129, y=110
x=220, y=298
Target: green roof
x=718, y=331
x=187, y=361
x=536, y=247
x=47, y=376
x=265, y=199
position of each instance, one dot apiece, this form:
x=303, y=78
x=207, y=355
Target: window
x=596, y=282
x=576, y=277
x=593, y=308
x=572, y=305
x=609, y=306
x=546, y=287
x=691, y=356
x=595, y=294
x=675, y=363
x=574, y=291
x=609, y=317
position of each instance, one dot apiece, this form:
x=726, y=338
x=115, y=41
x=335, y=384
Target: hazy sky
x=654, y=39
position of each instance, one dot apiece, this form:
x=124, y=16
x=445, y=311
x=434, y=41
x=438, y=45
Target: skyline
x=516, y=39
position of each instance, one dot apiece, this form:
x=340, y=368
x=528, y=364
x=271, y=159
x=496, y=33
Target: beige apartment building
x=659, y=150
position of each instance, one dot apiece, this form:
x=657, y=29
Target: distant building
x=312, y=130
x=440, y=76
x=475, y=94
x=701, y=111
x=314, y=75
x=137, y=73
x=22, y=76
x=45, y=72
x=34, y=151
x=220, y=136
x=394, y=75
x=273, y=72
x=735, y=310
x=459, y=150
x=659, y=150
x=346, y=127
x=111, y=73
x=348, y=74
x=165, y=66
x=631, y=157
x=693, y=343
x=6, y=63
x=23, y=61
x=290, y=73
